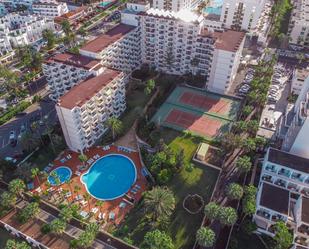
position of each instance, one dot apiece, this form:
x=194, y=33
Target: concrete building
x=241, y=14
x=22, y=29
x=63, y=71
x=49, y=8
x=5, y=46
x=299, y=23
x=119, y=48
x=18, y=3
x=179, y=43
x=283, y=195
x=75, y=16
x=175, y=5
x=296, y=139
x=298, y=80
x=83, y=111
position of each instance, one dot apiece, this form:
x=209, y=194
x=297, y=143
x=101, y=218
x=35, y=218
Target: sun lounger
x=83, y=203
x=68, y=194
x=137, y=186
x=77, y=173
x=127, y=201
x=122, y=204
x=111, y=216
x=51, y=189
x=79, y=197
x=133, y=191
x=84, y=214
x=94, y=210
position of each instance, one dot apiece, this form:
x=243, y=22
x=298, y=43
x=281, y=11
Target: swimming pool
x=64, y=174
x=104, y=4
x=110, y=177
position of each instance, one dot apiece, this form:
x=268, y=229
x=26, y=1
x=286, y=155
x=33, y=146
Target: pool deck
x=70, y=159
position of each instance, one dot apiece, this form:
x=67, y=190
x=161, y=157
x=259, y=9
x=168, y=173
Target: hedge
x=13, y=111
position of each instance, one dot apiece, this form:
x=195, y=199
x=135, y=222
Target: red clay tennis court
x=200, y=124
x=206, y=103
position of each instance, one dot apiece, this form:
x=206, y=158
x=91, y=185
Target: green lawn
x=200, y=180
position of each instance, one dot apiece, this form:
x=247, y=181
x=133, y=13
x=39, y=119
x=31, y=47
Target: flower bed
x=193, y=204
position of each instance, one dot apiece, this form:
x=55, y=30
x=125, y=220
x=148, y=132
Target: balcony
x=293, y=187
x=281, y=183
x=305, y=191
x=284, y=172
x=302, y=241
x=267, y=178
x=263, y=214
x=297, y=177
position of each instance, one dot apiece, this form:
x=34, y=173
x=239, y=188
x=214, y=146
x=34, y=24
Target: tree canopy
x=157, y=240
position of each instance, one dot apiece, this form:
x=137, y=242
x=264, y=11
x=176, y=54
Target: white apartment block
x=296, y=139
x=241, y=14
x=299, y=23
x=283, y=194
x=83, y=111
x=178, y=43
x=49, y=8
x=63, y=71
x=119, y=48
x=23, y=29
x=16, y=3
x=5, y=46
x=298, y=80
x=175, y=5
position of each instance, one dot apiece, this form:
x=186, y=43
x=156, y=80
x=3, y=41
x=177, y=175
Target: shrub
x=13, y=111
x=45, y=229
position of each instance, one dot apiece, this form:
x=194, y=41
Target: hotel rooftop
x=83, y=92
x=103, y=41
x=75, y=60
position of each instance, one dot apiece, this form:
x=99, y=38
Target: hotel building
x=298, y=80
x=22, y=29
x=63, y=71
x=179, y=43
x=299, y=23
x=83, y=110
x=175, y=5
x=296, y=138
x=50, y=8
x=241, y=14
x=283, y=194
x=119, y=48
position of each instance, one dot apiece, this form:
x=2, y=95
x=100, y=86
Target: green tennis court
x=202, y=113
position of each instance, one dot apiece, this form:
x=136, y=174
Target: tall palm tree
x=35, y=174
x=35, y=128
x=17, y=186
x=159, y=202
x=83, y=158
x=77, y=189
x=115, y=125
x=100, y=203
x=205, y=237
x=87, y=198
x=58, y=226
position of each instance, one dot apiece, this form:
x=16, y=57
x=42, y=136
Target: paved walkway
x=129, y=139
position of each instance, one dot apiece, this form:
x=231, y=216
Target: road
x=38, y=110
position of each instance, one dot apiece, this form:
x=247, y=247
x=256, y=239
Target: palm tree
x=49, y=132
x=35, y=174
x=244, y=164
x=16, y=187
x=234, y=191
x=8, y=199
x=28, y=141
x=159, y=202
x=205, y=237
x=227, y=216
x=66, y=213
x=77, y=189
x=68, y=182
x=100, y=203
x=115, y=125
x=87, y=198
x=35, y=127
x=13, y=244
x=211, y=210
x=58, y=226
x=83, y=158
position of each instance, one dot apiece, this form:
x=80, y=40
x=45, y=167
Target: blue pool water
x=214, y=8
x=110, y=177
x=104, y=4
x=64, y=174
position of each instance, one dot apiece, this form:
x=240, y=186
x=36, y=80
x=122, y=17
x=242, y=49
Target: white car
x=10, y=159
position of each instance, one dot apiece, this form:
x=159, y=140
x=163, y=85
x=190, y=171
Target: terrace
x=73, y=191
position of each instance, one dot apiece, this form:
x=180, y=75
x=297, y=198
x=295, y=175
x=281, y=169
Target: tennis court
x=200, y=112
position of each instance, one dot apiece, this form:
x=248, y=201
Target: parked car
x=10, y=159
